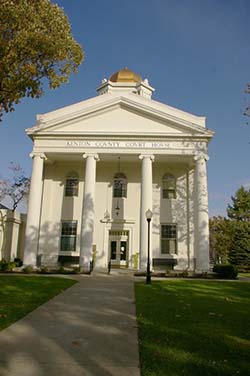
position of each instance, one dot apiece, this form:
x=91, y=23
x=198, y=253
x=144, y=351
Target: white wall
x=12, y=228
x=174, y=211
x=57, y=207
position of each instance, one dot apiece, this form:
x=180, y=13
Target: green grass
x=244, y=275
x=194, y=328
x=20, y=295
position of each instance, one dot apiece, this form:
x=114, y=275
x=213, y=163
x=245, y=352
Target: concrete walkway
x=88, y=330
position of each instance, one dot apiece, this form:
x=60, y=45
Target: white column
x=146, y=203
x=201, y=214
x=88, y=211
x=34, y=211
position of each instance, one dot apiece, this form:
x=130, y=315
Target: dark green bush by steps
x=18, y=262
x=28, y=269
x=225, y=271
x=6, y=266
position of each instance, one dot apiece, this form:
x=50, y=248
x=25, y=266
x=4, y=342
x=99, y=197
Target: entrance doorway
x=118, y=246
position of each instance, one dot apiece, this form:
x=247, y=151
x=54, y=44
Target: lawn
x=244, y=275
x=20, y=295
x=194, y=328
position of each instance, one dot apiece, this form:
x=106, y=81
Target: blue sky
x=196, y=54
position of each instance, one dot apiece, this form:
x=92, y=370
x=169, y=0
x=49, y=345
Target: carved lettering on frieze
x=113, y=144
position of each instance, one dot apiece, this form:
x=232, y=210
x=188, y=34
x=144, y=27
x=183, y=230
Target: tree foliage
x=230, y=238
x=220, y=239
x=35, y=43
x=239, y=214
x=240, y=208
x=239, y=252
x=247, y=109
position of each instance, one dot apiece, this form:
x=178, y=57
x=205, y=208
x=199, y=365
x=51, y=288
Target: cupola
x=125, y=81
x=125, y=75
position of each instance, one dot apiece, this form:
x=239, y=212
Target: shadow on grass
x=89, y=329
x=194, y=328
x=20, y=295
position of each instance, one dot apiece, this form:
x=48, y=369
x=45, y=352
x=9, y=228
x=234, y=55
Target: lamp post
x=149, y=215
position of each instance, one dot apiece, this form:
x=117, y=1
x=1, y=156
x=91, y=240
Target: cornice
x=117, y=135
x=147, y=107
x=161, y=115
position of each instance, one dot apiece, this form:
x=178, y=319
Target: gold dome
x=125, y=75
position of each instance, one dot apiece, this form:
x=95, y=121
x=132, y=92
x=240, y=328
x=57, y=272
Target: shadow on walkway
x=89, y=329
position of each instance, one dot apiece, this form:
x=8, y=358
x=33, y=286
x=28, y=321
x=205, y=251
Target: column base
x=30, y=258
x=85, y=269
x=143, y=264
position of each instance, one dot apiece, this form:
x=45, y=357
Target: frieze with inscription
x=113, y=144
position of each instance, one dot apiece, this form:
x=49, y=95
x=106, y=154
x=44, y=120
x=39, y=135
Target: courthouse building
x=100, y=164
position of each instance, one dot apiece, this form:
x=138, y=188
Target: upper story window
x=120, y=185
x=72, y=183
x=168, y=186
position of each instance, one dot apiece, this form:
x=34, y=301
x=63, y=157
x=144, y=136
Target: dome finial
x=125, y=75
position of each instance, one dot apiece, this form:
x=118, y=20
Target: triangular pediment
x=107, y=115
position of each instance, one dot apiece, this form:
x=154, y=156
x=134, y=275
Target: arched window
x=72, y=182
x=168, y=186
x=120, y=185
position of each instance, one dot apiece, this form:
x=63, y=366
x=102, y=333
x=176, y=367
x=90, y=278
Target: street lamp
x=149, y=215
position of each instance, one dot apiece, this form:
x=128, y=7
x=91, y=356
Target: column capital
x=147, y=156
x=35, y=154
x=200, y=156
x=93, y=155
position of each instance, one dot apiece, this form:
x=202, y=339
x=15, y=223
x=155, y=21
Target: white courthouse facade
x=100, y=164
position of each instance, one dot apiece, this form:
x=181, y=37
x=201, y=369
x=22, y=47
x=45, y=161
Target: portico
x=100, y=164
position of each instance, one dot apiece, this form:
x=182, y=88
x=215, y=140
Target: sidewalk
x=88, y=330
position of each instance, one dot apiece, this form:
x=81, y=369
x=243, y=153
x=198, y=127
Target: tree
x=240, y=209
x=239, y=253
x=3, y=192
x=3, y=189
x=239, y=214
x=16, y=187
x=220, y=239
x=247, y=109
x=35, y=44
x=230, y=238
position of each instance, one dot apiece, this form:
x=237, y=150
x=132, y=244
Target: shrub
x=226, y=271
x=6, y=266
x=18, y=262
x=62, y=270
x=3, y=265
x=135, y=260
x=76, y=270
x=184, y=274
x=44, y=270
x=11, y=266
x=28, y=269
